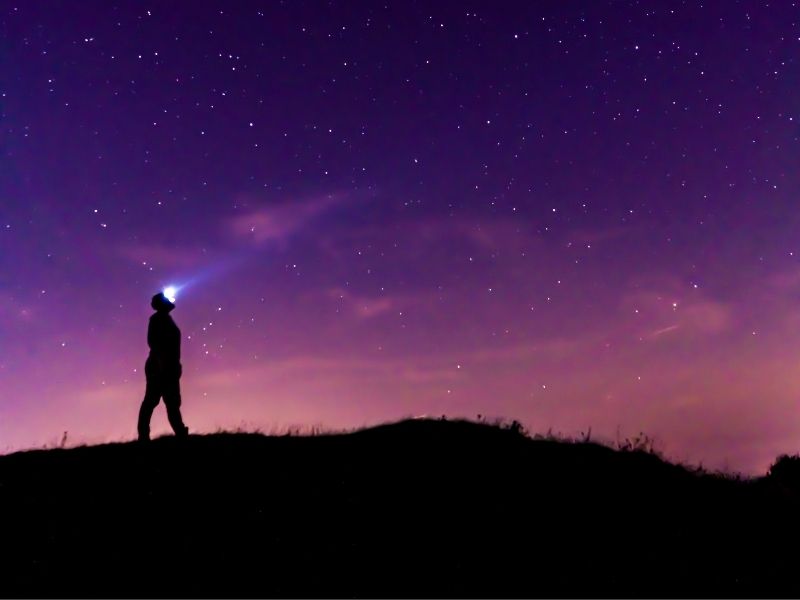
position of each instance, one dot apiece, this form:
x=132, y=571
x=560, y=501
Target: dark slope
x=418, y=508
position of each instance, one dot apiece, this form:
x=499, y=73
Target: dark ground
x=417, y=508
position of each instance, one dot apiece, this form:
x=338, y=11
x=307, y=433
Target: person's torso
x=164, y=338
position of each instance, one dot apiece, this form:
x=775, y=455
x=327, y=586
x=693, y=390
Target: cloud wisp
x=277, y=223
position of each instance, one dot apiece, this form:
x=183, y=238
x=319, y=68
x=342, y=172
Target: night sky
x=573, y=214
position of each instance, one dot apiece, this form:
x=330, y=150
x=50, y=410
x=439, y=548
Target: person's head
x=161, y=303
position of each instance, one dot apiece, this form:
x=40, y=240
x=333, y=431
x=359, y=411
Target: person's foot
x=182, y=432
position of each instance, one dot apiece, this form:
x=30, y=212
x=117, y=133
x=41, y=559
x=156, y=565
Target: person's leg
x=172, y=400
x=152, y=395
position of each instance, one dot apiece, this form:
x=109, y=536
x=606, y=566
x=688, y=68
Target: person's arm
x=150, y=335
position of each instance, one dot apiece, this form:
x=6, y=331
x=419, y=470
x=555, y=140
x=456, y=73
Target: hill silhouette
x=417, y=508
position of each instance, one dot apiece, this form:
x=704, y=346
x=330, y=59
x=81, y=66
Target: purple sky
x=575, y=214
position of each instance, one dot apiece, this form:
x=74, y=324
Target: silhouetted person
x=162, y=369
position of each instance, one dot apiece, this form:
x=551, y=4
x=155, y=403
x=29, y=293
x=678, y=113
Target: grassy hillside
x=418, y=508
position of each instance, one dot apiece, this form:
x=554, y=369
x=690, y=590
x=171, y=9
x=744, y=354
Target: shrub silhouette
x=786, y=470
x=638, y=443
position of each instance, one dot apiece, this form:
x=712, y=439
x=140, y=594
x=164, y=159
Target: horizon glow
x=575, y=214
